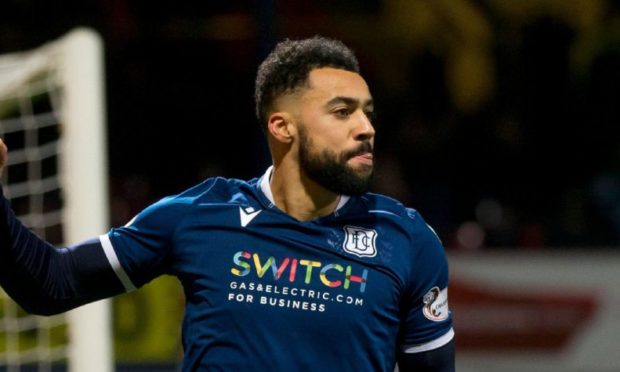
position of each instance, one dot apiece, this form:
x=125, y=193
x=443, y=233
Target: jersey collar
x=266, y=189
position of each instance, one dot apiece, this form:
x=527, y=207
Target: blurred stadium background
x=498, y=120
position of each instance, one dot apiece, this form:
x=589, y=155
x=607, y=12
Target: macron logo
x=247, y=215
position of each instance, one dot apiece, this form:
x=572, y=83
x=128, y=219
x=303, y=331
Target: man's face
x=336, y=136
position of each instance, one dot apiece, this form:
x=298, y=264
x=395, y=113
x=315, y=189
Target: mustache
x=363, y=148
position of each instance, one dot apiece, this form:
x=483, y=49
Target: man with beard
x=299, y=269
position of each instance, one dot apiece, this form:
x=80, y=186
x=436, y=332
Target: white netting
x=51, y=118
x=29, y=124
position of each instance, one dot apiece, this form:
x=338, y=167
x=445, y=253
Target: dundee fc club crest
x=360, y=241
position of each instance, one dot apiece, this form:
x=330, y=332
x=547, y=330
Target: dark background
x=498, y=120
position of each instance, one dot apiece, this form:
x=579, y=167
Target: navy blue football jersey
x=265, y=291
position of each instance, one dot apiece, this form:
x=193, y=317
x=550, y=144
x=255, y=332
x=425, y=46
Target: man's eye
x=371, y=115
x=342, y=113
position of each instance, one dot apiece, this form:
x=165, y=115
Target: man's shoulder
x=377, y=203
x=215, y=189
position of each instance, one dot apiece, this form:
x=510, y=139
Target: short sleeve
x=427, y=322
x=140, y=251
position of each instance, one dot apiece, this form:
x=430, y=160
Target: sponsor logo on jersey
x=360, y=241
x=332, y=275
x=247, y=215
x=436, y=304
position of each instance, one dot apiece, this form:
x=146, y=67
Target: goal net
x=52, y=120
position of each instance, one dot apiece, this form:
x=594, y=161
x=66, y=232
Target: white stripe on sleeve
x=431, y=345
x=108, y=249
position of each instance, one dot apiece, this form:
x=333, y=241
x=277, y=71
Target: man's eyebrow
x=349, y=101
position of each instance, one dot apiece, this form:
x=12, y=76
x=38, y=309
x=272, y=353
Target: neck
x=298, y=196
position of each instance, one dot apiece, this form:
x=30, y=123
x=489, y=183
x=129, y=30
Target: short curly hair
x=287, y=67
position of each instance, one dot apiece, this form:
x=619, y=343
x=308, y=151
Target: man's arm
x=436, y=360
x=45, y=280
x=427, y=338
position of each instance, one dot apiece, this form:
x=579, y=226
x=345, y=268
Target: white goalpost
x=53, y=120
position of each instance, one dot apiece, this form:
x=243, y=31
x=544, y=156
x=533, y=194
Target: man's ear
x=280, y=126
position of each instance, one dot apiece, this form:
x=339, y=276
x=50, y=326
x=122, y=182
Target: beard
x=330, y=170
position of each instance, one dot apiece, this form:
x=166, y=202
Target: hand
x=3, y=155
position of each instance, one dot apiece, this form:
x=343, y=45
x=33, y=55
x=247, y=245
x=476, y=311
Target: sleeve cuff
x=431, y=345
x=110, y=254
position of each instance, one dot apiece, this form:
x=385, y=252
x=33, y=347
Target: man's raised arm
x=45, y=280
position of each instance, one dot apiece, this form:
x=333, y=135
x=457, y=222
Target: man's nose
x=364, y=130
